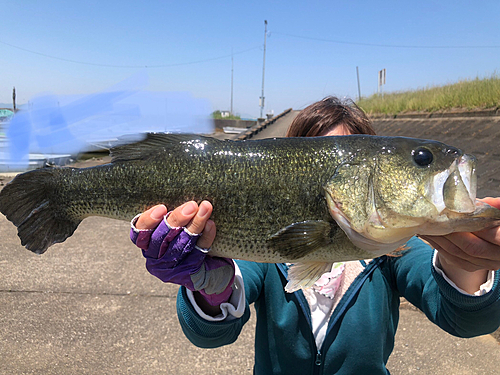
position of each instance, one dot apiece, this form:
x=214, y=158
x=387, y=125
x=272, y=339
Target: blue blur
x=69, y=125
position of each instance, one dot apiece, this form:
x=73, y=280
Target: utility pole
x=232, y=69
x=381, y=81
x=14, y=99
x=263, y=71
x=359, y=87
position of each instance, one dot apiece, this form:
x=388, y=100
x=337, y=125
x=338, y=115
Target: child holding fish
x=345, y=322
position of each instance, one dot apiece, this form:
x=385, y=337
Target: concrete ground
x=88, y=306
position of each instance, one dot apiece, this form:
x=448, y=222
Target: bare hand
x=467, y=257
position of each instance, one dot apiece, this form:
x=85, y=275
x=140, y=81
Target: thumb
x=495, y=202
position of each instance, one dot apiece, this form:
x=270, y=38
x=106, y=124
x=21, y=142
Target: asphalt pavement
x=88, y=306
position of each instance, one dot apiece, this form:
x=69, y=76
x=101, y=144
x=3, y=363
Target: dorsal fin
x=153, y=143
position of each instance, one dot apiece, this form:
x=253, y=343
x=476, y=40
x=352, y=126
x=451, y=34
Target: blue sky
x=313, y=47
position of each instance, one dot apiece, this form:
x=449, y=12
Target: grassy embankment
x=479, y=93
x=218, y=116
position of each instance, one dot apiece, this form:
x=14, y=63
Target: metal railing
x=259, y=127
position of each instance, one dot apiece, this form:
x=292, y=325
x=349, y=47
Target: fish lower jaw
x=451, y=222
x=375, y=246
x=380, y=245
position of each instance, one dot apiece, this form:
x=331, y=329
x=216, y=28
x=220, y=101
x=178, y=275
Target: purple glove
x=173, y=257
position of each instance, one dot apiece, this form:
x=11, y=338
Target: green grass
x=478, y=93
x=217, y=115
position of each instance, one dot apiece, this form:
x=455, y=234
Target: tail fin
x=27, y=201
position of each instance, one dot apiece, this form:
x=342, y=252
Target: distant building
x=6, y=114
x=224, y=114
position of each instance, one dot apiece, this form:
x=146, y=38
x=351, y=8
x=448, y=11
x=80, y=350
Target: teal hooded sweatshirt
x=361, y=330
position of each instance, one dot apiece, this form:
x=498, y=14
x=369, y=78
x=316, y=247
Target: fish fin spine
x=304, y=275
x=299, y=239
x=153, y=143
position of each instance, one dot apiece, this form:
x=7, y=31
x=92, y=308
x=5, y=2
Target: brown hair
x=327, y=114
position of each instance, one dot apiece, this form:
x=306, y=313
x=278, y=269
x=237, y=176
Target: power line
x=381, y=45
x=129, y=66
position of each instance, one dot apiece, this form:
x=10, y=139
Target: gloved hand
x=172, y=253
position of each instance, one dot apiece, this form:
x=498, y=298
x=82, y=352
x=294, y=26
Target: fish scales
x=307, y=201
x=256, y=189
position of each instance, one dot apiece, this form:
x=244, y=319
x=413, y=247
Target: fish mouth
x=455, y=188
x=452, y=192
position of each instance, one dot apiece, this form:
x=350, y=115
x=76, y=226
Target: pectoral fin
x=300, y=239
x=304, y=275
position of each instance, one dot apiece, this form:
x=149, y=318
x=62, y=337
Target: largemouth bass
x=307, y=201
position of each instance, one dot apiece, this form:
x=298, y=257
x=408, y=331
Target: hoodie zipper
x=318, y=358
x=365, y=274
x=304, y=306
x=318, y=362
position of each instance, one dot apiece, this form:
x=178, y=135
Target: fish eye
x=423, y=157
